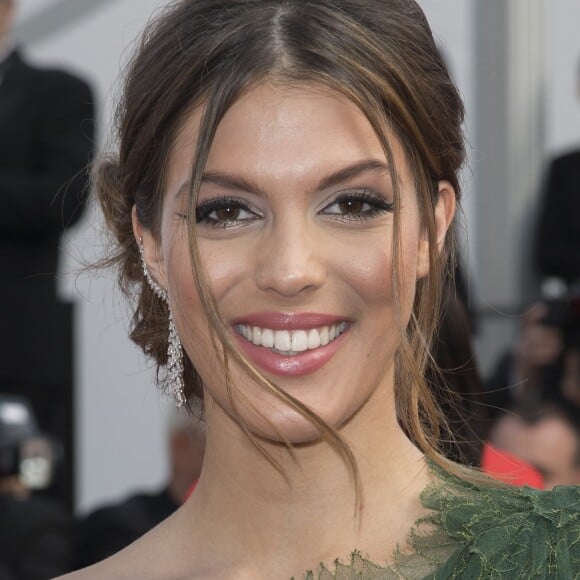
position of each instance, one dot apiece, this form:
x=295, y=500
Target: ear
x=151, y=251
x=444, y=212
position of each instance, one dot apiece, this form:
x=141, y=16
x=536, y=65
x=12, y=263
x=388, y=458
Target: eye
x=358, y=205
x=224, y=212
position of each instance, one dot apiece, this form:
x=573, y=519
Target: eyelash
x=377, y=205
x=204, y=211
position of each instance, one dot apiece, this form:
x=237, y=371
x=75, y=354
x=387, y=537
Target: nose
x=291, y=260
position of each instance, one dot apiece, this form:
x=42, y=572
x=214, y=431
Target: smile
x=291, y=342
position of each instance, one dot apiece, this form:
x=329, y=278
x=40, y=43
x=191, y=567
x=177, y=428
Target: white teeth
x=267, y=337
x=282, y=340
x=313, y=339
x=294, y=341
x=332, y=333
x=299, y=341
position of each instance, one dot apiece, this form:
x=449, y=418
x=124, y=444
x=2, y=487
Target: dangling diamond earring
x=173, y=381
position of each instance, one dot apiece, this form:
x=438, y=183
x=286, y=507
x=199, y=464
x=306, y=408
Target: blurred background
x=517, y=64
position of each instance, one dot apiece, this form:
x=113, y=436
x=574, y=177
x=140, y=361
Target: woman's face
x=295, y=221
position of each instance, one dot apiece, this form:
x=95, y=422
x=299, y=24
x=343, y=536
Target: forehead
x=285, y=132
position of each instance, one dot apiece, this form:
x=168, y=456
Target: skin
x=300, y=254
x=539, y=345
x=186, y=449
x=293, y=258
x=571, y=378
x=7, y=9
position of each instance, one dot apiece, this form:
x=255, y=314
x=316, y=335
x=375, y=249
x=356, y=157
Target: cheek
x=222, y=265
x=222, y=273
x=229, y=270
x=180, y=282
x=187, y=310
x=371, y=273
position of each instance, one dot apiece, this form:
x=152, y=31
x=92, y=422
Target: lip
x=289, y=320
x=298, y=365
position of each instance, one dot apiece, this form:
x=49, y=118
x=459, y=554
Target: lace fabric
x=482, y=532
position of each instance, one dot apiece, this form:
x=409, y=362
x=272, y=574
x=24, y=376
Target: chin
x=298, y=431
x=287, y=425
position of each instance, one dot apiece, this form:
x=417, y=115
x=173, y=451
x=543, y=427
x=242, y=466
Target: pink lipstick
x=290, y=344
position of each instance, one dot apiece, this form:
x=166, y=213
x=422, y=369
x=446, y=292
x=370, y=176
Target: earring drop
x=173, y=381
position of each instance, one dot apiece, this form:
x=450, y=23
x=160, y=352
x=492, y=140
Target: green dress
x=483, y=532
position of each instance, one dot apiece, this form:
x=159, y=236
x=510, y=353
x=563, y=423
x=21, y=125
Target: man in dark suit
x=46, y=143
x=558, y=244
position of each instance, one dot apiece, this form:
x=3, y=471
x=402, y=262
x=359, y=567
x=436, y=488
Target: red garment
x=508, y=468
x=189, y=491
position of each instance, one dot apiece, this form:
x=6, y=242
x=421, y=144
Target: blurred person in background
x=558, y=240
x=544, y=364
x=558, y=237
x=460, y=393
x=111, y=528
x=46, y=143
x=35, y=532
x=547, y=437
x=557, y=254
x=534, y=399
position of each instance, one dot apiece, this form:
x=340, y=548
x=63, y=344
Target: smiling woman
x=294, y=227
x=283, y=201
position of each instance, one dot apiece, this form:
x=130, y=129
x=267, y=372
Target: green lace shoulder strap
x=475, y=531
x=508, y=532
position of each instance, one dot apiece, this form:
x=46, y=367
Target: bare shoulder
x=100, y=570
x=129, y=564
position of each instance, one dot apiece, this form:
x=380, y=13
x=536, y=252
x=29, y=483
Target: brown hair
x=457, y=385
x=380, y=54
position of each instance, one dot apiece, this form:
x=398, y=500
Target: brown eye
x=226, y=214
x=358, y=206
x=351, y=206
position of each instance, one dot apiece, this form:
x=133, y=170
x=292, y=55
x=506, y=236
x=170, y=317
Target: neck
x=255, y=509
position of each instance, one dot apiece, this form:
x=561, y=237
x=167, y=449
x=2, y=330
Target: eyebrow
x=238, y=183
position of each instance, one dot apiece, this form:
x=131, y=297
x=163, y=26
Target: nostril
x=290, y=277
x=290, y=260
x=286, y=283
